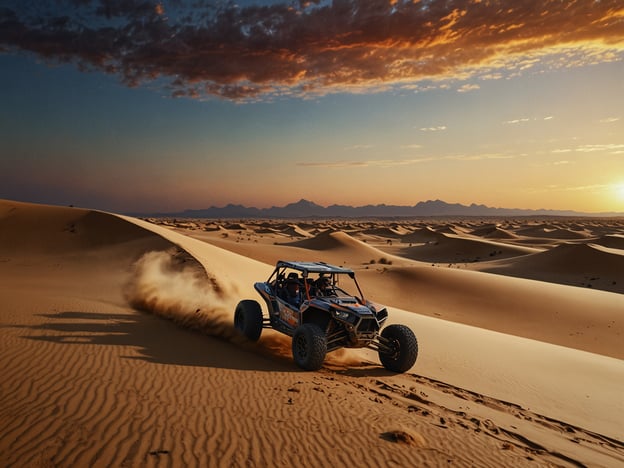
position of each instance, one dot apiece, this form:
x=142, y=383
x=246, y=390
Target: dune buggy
x=310, y=302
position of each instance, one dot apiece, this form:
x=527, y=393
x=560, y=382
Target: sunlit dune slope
x=36, y=229
x=422, y=235
x=614, y=241
x=578, y=318
x=240, y=272
x=586, y=265
x=342, y=247
x=552, y=232
x=493, y=232
x=454, y=249
x=385, y=232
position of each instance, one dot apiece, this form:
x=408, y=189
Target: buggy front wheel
x=399, y=348
x=309, y=346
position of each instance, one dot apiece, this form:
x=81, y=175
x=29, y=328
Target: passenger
x=310, y=287
x=293, y=292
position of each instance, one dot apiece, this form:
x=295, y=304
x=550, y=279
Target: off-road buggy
x=309, y=302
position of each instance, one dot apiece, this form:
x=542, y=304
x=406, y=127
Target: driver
x=323, y=286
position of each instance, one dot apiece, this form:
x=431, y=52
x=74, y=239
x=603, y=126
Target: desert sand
x=117, y=346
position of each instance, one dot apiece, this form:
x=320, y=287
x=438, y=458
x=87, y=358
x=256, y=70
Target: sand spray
x=165, y=285
x=175, y=286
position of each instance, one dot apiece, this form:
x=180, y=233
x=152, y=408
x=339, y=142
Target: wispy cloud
x=358, y=147
x=424, y=87
x=302, y=48
x=468, y=87
x=492, y=76
x=609, y=120
x=609, y=148
x=591, y=188
x=526, y=119
x=548, y=163
x=402, y=162
x=516, y=121
x=371, y=163
x=414, y=146
x=333, y=165
x=480, y=157
x=439, y=128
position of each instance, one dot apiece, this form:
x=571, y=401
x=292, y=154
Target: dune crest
x=342, y=247
x=423, y=235
x=614, y=241
x=329, y=240
x=586, y=265
x=449, y=248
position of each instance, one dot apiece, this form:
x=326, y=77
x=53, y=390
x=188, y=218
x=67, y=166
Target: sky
x=143, y=106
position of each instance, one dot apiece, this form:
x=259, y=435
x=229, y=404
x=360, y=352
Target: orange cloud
x=312, y=48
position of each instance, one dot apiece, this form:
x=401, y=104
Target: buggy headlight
x=339, y=314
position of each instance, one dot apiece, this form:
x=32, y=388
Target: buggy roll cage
x=323, y=269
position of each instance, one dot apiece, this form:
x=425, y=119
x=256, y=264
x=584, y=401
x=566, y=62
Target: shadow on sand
x=157, y=340
x=162, y=341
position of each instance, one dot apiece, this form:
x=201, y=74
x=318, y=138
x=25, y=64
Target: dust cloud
x=177, y=288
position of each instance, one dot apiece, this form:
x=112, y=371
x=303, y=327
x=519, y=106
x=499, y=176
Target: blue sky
x=537, y=126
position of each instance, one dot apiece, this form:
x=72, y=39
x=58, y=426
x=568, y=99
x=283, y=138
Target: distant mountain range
x=308, y=209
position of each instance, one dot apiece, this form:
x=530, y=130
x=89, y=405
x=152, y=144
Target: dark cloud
x=311, y=47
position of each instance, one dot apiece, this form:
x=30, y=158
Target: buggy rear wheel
x=248, y=319
x=400, y=348
x=309, y=346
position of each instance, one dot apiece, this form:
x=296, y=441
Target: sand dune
x=453, y=249
x=551, y=380
x=329, y=246
x=88, y=380
x=449, y=229
x=552, y=232
x=421, y=235
x=235, y=227
x=493, y=232
x=342, y=246
x=614, y=241
x=586, y=265
x=329, y=240
x=295, y=231
x=367, y=238
x=34, y=229
x=392, y=232
x=546, y=312
x=474, y=245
